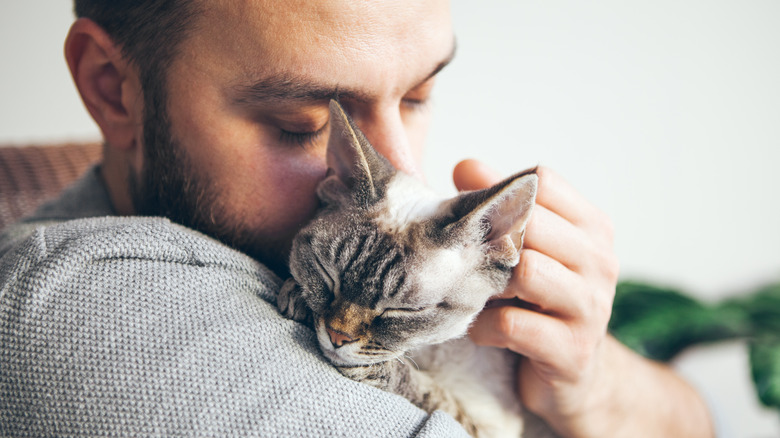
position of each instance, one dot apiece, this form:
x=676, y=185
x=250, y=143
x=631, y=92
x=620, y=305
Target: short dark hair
x=148, y=33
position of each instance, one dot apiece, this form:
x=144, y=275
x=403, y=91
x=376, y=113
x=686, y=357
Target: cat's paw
x=290, y=302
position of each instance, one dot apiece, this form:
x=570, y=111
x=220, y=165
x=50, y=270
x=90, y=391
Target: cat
x=388, y=271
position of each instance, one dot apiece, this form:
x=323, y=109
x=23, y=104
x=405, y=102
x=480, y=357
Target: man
x=215, y=115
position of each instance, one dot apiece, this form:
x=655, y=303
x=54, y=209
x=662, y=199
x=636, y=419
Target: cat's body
x=390, y=277
x=482, y=379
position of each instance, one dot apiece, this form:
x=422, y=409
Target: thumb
x=473, y=175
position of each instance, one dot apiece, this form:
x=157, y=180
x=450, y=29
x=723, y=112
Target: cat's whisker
x=415, y=363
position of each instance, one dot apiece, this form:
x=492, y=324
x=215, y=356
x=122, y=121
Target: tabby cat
x=388, y=271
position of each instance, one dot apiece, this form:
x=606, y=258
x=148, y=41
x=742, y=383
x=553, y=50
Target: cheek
x=267, y=187
x=273, y=195
x=285, y=190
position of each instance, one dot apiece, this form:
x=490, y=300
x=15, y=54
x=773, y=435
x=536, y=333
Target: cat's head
x=386, y=266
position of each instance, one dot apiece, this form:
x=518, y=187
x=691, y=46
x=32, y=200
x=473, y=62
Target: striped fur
x=387, y=271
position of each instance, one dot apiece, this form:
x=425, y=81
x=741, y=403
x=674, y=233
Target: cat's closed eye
x=324, y=273
x=404, y=311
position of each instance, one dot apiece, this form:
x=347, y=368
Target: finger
x=550, y=234
x=473, y=175
x=555, y=194
x=574, y=247
x=592, y=243
x=535, y=335
x=548, y=285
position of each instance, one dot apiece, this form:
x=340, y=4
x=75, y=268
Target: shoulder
x=109, y=246
x=104, y=238
x=142, y=324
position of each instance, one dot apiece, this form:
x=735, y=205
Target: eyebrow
x=289, y=88
x=295, y=89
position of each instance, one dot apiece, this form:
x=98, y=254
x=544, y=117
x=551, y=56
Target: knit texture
x=33, y=174
x=139, y=327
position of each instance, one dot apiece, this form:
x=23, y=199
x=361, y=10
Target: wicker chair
x=29, y=175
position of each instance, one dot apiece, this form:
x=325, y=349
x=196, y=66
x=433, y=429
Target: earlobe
x=104, y=79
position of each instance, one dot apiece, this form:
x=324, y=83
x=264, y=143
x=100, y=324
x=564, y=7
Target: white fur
x=483, y=381
x=443, y=277
x=442, y=265
x=407, y=201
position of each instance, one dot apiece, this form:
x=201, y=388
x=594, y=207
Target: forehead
x=372, y=43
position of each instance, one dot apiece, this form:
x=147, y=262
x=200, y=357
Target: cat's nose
x=338, y=338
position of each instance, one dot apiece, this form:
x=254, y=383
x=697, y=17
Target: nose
x=386, y=132
x=338, y=338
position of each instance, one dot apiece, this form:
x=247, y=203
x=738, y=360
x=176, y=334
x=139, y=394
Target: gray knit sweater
x=140, y=327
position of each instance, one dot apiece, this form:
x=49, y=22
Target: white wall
x=38, y=101
x=666, y=114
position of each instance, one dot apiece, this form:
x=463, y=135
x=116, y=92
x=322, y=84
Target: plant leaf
x=660, y=322
x=765, y=368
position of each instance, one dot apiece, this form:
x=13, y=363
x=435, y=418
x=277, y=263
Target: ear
x=498, y=215
x=356, y=172
x=107, y=83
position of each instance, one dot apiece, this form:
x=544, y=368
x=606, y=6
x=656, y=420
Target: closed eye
x=325, y=275
x=302, y=139
x=403, y=311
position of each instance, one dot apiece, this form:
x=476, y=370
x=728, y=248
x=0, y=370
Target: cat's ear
x=498, y=215
x=356, y=171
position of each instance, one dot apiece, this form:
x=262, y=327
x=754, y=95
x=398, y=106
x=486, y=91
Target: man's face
x=248, y=113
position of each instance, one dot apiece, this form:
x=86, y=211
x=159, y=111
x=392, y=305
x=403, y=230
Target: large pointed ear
x=356, y=171
x=497, y=215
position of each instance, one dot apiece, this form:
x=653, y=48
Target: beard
x=170, y=186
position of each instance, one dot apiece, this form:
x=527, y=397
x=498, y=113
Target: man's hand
x=583, y=382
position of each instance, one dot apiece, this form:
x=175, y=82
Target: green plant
x=660, y=322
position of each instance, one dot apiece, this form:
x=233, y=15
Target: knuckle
x=605, y=312
x=602, y=315
x=527, y=267
x=607, y=225
x=542, y=171
x=605, y=265
x=505, y=324
x=599, y=307
x=544, y=174
x=582, y=358
x=602, y=228
x=511, y=327
x=610, y=267
x=582, y=352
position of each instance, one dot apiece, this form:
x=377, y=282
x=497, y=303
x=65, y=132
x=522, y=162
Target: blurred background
x=664, y=114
